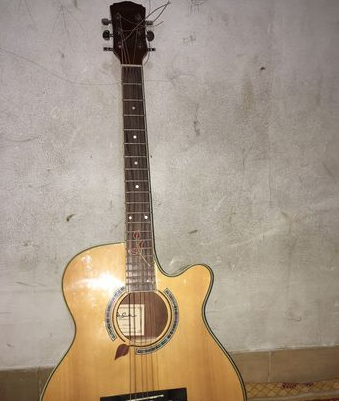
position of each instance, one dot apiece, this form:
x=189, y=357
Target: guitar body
x=140, y=334
x=191, y=358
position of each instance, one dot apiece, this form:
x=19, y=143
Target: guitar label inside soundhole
x=131, y=319
x=142, y=317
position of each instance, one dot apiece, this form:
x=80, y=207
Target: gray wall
x=243, y=117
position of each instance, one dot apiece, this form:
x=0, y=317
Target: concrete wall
x=243, y=120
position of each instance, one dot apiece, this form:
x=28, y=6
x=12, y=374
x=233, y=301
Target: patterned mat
x=327, y=390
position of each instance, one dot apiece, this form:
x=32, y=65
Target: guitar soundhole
x=142, y=317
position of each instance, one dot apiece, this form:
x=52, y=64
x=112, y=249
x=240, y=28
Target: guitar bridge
x=177, y=394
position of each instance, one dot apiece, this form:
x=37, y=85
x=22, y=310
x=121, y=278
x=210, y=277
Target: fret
x=135, y=143
x=137, y=192
x=137, y=272
x=133, y=115
x=147, y=253
x=136, y=279
x=141, y=287
x=136, y=180
x=133, y=213
x=140, y=273
x=131, y=74
x=139, y=231
x=136, y=203
x=135, y=222
x=138, y=225
x=133, y=265
x=130, y=267
x=134, y=268
x=131, y=83
x=139, y=278
x=137, y=186
x=135, y=275
x=138, y=240
x=146, y=249
x=135, y=132
x=134, y=258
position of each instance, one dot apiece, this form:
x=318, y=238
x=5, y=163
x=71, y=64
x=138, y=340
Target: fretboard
x=140, y=272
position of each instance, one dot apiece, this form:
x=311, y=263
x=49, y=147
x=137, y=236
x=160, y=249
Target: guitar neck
x=140, y=272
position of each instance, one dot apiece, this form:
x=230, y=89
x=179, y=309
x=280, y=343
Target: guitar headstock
x=129, y=32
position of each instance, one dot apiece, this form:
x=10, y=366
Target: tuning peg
x=106, y=21
x=149, y=23
x=151, y=49
x=107, y=49
x=150, y=35
x=107, y=34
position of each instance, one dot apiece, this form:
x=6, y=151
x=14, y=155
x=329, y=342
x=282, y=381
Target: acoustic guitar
x=141, y=334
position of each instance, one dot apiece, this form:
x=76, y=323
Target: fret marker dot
x=136, y=163
x=133, y=107
x=134, y=137
x=129, y=217
x=145, y=217
x=137, y=186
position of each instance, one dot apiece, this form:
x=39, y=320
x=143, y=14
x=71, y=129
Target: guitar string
x=145, y=359
x=149, y=294
x=125, y=52
x=143, y=266
x=128, y=288
x=154, y=317
x=153, y=321
x=164, y=6
x=128, y=285
x=143, y=317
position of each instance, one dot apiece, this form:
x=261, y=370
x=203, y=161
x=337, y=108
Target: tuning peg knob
x=108, y=49
x=106, y=21
x=150, y=36
x=151, y=49
x=107, y=34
